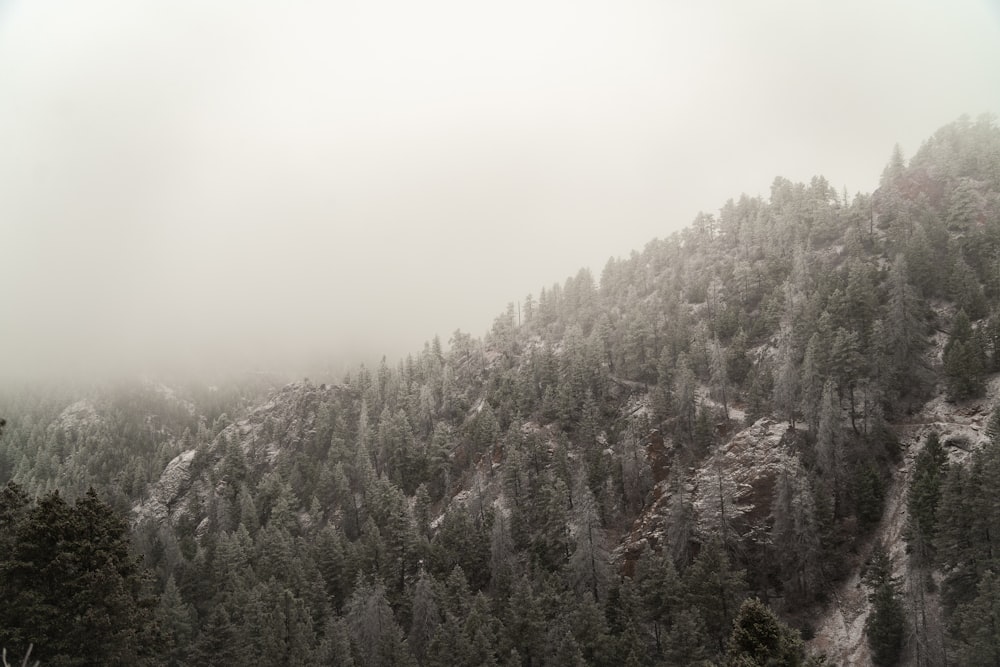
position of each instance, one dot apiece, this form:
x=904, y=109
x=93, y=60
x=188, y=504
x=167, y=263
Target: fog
x=245, y=185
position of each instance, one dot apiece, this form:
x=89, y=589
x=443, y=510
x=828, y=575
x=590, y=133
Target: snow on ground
x=705, y=398
x=77, y=416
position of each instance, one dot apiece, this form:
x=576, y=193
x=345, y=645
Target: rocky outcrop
x=191, y=480
x=961, y=428
x=734, y=486
x=171, y=487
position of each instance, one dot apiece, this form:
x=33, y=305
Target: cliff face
x=271, y=431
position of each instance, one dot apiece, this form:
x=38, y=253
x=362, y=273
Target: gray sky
x=260, y=182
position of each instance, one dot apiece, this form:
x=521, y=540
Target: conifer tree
x=715, y=588
x=334, y=649
x=424, y=617
x=828, y=446
x=786, y=379
x=589, y=563
x=885, y=626
x=759, y=638
x=176, y=620
x=963, y=360
x=72, y=586
x=976, y=624
x=378, y=641
x=924, y=496
x=218, y=644
x=904, y=335
x=795, y=533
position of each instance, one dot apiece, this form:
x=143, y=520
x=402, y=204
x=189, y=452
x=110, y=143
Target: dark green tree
x=72, y=586
x=759, y=638
x=924, y=496
x=963, y=360
x=886, y=623
x=714, y=587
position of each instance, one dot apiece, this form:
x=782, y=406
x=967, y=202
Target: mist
x=216, y=185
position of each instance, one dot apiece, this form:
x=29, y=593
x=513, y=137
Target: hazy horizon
x=243, y=185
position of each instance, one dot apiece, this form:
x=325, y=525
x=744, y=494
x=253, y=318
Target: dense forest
x=676, y=464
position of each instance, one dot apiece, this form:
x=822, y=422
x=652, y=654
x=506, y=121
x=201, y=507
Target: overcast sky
x=258, y=182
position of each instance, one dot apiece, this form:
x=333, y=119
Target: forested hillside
x=686, y=461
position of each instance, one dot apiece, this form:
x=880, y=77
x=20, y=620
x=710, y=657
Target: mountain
x=796, y=399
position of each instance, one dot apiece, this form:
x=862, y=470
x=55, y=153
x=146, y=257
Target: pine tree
x=525, y=622
x=659, y=590
x=795, y=534
x=885, y=625
x=334, y=649
x=976, y=624
x=786, y=379
x=829, y=459
x=904, y=335
x=759, y=638
x=684, y=396
x=72, y=586
x=501, y=554
x=924, y=496
x=956, y=545
x=218, y=644
x=963, y=360
x=713, y=587
x=687, y=641
x=811, y=383
x=378, y=641
x=424, y=617
x=590, y=628
x=176, y=620
x=719, y=377
x=590, y=564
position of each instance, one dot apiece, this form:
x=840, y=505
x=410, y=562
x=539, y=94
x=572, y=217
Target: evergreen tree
x=590, y=628
x=759, y=638
x=218, y=644
x=378, y=640
x=72, y=586
x=904, y=335
x=963, y=360
x=335, y=648
x=525, y=622
x=976, y=624
x=795, y=534
x=712, y=586
x=885, y=625
x=589, y=563
x=811, y=383
x=786, y=379
x=829, y=457
x=176, y=620
x=424, y=617
x=924, y=496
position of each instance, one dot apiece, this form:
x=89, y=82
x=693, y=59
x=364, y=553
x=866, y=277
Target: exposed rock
x=190, y=481
x=744, y=469
x=745, y=466
x=174, y=481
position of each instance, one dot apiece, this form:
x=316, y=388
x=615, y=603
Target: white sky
x=261, y=183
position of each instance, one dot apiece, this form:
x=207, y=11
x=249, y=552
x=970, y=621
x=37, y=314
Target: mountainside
x=778, y=402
